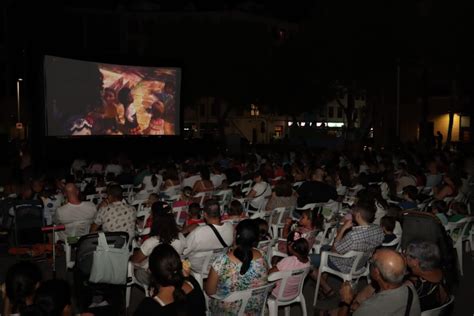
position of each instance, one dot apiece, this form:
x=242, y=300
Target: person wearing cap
x=207, y=237
x=163, y=231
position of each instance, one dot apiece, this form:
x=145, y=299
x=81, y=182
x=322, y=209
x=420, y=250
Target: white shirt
x=70, y=213
x=130, y=112
x=217, y=179
x=150, y=244
x=148, y=185
x=113, y=168
x=190, y=181
x=203, y=238
x=78, y=165
x=262, y=190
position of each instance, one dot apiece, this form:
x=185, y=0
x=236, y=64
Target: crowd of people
x=364, y=194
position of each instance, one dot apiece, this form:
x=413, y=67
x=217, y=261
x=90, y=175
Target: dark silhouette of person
x=439, y=140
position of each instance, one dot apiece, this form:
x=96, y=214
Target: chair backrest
x=95, y=198
x=236, y=184
x=244, y=296
x=28, y=221
x=76, y=229
x=296, y=185
x=458, y=229
x=265, y=246
x=359, y=263
x=277, y=219
x=284, y=276
x=440, y=311
x=87, y=245
x=224, y=197
x=173, y=190
x=138, y=204
x=208, y=257
x=179, y=212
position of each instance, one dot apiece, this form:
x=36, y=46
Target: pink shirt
x=286, y=264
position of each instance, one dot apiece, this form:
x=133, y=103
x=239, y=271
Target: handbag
x=109, y=264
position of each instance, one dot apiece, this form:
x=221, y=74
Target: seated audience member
x=174, y=291
x=449, y=187
x=388, y=225
x=113, y=168
x=409, y=198
x=263, y=229
x=235, y=213
x=424, y=261
x=439, y=208
x=282, y=196
x=217, y=177
x=308, y=226
x=404, y=177
x=186, y=197
x=357, y=234
x=433, y=177
x=21, y=281
x=298, y=251
x=163, y=231
x=214, y=235
x=242, y=268
x=75, y=210
x=192, y=176
x=458, y=212
x=204, y=184
x=52, y=298
x=115, y=215
x=393, y=297
x=259, y=192
x=394, y=211
x=170, y=178
x=152, y=182
x=193, y=218
x=316, y=190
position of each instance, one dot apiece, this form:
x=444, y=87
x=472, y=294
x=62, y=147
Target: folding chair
x=28, y=220
x=132, y=280
x=442, y=310
x=207, y=258
x=457, y=231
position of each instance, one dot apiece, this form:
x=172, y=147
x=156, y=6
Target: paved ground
x=464, y=304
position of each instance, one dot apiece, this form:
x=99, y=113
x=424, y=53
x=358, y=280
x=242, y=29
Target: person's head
x=258, y=177
x=72, y=192
x=363, y=213
x=262, y=228
x=166, y=270
x=21, y=282
x=410, y=193
x=439, y=206
x=37, y=185
x=187, y=193
x=152, y=198
x=432, y=167
x=125, y=96
x=246, y=237
x=459, y=208
x=114, y=193
x=52, y=298
x=194, y=211
x=109, y=96
x=298, y=246
x=205, y=174
x=170, y=174
x=283, y=188
x=388, y=224
x=26, y=192
x=422, y=256
x=164, y=224
x=235, y=209
x=216, y=168
x=309, y=219
x=212, y=210
x=317, y=174
x=387, y=268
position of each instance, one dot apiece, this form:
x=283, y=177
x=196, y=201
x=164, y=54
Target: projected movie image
x=86, y=98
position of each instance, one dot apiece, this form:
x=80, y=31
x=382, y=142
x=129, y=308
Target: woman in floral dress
x=242, y=268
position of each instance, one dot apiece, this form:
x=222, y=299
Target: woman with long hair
x=243, y=267
x=163, y=231
x=205, y=184
x=172, y=292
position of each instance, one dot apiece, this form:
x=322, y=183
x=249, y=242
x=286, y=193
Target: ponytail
x=245, y=255
x=177, y=280
x=154, y=180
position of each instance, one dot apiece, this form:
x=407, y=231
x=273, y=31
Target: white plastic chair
x=236, y=184
x=326, y=237
x=95, y=198
x=132, y=280
x=171, y=191
x=207, y=258
x=457, y=231
x=296, y=185
x=280, y=299
x=359, y=269
x=265, y=246
x=277, y=220
x=244, y=297
x=247, y=184
x=139, y=204
x=439, y=310
x=224, y=197
x=177, y=211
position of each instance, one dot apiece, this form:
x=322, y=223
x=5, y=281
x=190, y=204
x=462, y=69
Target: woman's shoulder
x=148, y=306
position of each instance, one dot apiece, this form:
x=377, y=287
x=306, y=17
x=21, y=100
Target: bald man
x=394, y=297
x=75, y=210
